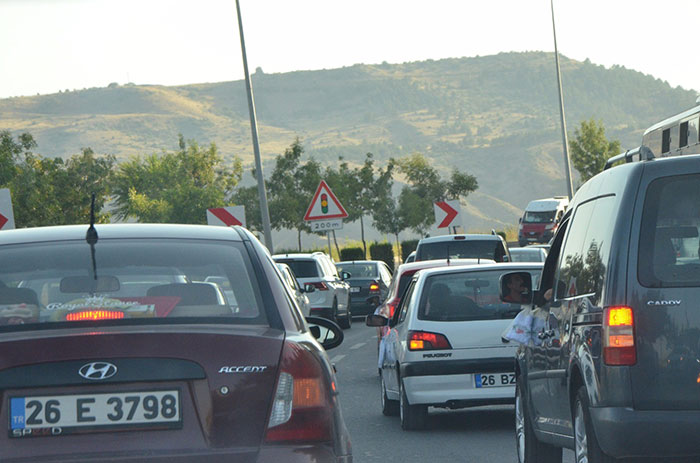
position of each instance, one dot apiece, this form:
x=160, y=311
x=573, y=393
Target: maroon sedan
x=121, y=344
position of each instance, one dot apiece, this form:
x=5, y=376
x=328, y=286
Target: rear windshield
x=467, y=296
x=668, y=248
x=359, y=270
x=302, y=268
x=465, y=249
x=526, y=255
x=132, y=281
x=539, y=217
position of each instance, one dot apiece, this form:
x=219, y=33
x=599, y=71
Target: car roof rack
x=644, y=153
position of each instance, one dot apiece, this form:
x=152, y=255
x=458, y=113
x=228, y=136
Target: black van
x=612, y=368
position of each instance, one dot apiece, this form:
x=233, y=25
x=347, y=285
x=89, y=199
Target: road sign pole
x=330, y=251
x=264, y=211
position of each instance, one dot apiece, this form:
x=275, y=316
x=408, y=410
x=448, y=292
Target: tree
x=426, y=186
x=358, y=189
x=291, y=187
x=590, y=149
x=11, y=152
x=175, y=187
x=56, y=192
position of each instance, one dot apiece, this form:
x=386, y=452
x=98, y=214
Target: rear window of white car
x=302, y=268
x=133, y=281
x=466, y=296
x=461, y=249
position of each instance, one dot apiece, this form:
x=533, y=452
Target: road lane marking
x=358, y=345
x=338, y=358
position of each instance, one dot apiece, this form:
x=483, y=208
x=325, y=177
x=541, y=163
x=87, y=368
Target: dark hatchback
x=369, y=281
x=612, y=369
x=122, y=347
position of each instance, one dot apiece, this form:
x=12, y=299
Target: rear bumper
x=360, y=306
x=300, y=454
x=624, y=432
x=454, y=391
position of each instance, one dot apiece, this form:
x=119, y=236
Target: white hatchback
x=445, y=346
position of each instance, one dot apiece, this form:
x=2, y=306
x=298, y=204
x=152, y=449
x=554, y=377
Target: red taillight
x=423, y=340
x=392, y=306
x=302, y=410
x=320, y=285
x=618, y=336
x=94, y=315
x=374, y=287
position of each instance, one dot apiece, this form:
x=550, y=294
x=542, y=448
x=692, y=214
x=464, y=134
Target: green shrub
x=408, y=247
x=383, y=252
x=352, y=254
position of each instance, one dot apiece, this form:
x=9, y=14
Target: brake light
x=94, y=315
x=374, y=287
x=320, y=285
x=618, y=336
x=303, y=404
x=423, y=340
x=392, y=307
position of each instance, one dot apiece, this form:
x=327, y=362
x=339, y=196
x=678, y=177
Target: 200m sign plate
x=66, y=414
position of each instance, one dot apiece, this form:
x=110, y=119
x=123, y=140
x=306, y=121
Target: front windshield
x=539, y=217
x=131, y=280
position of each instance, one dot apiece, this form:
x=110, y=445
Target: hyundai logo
x=97, y=370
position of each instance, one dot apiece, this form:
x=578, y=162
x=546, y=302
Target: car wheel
x=346, y=322
x=413, y=417
x=530, y=450
x=587, y=449
x=389, y=407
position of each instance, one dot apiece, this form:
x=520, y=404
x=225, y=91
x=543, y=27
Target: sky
x=52, y=45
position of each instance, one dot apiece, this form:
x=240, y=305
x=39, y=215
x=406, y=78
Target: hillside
x=494, y=116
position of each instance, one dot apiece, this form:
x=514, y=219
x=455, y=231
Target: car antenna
x=91, y=236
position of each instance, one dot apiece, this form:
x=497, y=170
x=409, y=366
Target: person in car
x=516, y=289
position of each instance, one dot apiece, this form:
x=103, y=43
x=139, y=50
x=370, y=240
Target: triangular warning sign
x=325, y=205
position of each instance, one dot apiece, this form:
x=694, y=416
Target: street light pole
x=264, y=211
x=564, y=138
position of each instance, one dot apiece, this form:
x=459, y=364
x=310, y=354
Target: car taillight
x=303, y=405
x=320, y=285
x=94, y=315
x=618, y=336
x=374, y=287
x=423, y=340
x=549, y=226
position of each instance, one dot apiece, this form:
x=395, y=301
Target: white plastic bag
x=525, y=327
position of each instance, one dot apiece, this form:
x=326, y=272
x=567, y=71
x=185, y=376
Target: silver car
x=445, y=347
x=298, y=292
x=331, y=298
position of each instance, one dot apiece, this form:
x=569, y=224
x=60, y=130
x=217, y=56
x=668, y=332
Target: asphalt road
x=483, y=434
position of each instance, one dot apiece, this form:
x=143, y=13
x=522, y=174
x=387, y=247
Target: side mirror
x=308, y=288
x=327, y=332
x=515, y=288
x=345, y=276
x=376, y=320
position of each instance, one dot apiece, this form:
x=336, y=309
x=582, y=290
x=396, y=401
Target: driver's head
x=516, y=284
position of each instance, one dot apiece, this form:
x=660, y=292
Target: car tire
x=346, y=323
x=413, y=417
x=389, y=407
x=529, y=449
x=587, y=447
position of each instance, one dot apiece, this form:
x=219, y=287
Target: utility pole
x=264, y=211
x=564, y=138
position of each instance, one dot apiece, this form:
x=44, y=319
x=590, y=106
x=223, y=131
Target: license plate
x=354, y=289
x=494, y=379
x=67, y=414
